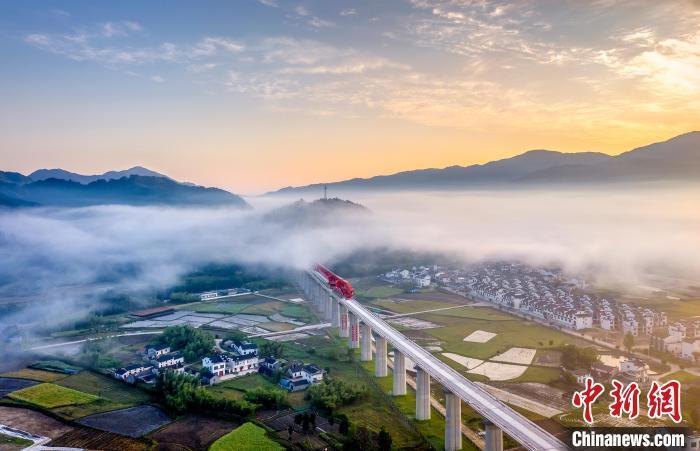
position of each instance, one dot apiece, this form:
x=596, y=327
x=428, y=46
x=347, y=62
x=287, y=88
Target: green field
x=301, y=312
x=105, y=387
x=229, y=307
x=380, y=291
x=13, y=441
x=247, y=437
x=35, y=375
x=49, y=396
x=681, y=376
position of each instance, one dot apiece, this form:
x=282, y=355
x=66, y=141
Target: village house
x=299, y=376
x=269, y=365
x=173, y=361
x=601, y=372
x=634, y=370
x=129, y=373
x=228, y=367
x=581, y=376
x=244, y=348
x=156, y=350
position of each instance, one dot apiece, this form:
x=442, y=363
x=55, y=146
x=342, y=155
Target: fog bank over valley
x=61, y=261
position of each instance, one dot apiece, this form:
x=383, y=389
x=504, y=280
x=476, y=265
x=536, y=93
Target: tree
x=343, y=424
x=194, y=343
x=312, y=419
x=628, y=341
x=272, y=349
x=573, y=357
x=298, y=418
x=305, y=423
x=267, y=397
x=350, y=355
x=290, y=429
x=384, y=440
x=333, y=393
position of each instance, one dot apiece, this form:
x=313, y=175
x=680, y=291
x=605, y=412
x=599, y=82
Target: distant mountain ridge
x=135, y=186
x=62, y=174
x=677, y=159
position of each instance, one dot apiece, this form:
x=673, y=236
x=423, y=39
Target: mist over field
x=65, y=258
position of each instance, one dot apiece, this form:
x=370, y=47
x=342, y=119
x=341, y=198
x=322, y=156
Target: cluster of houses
x=156, y=359
x=243, y=359
x=419, y=277
x=627, y=370
x=546, y=294
x=239, y=359
x=682, y=339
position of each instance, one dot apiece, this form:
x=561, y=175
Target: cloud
x=81, y=46
x=270, y=3
x=74, y=255
x=301, y=11
x=348, y=12
x=157, y=79
x=110, y=29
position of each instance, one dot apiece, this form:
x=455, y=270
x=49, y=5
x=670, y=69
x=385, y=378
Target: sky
x=255, y=95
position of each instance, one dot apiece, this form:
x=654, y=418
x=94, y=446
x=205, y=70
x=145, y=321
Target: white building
x=154, y=351
x=244, y=348
x=208, y=295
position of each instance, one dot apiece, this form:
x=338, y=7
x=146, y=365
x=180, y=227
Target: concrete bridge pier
x=354, y=339
x=344, y=321
x=380, y=369
x=493, y=437
x=453, y=422
x=422, y=394
x=335, y=312
x=399, y=387
x=366, y=343
x=327, y=305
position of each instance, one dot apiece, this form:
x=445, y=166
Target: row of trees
x=333, y=393
x=194, y=343
x=267, y=397
x=182, y=393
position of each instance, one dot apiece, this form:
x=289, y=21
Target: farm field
x=49, y=396
x=86, y=438
x=35, y=375
x=11, y=443
x=247, y=437
x=132, y=422
x=510, y=331
x=380, y=291
x=192, y=432
x=9, y=384
x=32, y=421
x=105, y=387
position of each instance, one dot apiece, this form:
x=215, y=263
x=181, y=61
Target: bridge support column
x=422, y=394
x=344, y=321
x=453, y=422
x=354, y=341
x=327, y=307
x=366, y=343
x=380, y=369
x=493, y=437
x=399, y=387
x=335, y=312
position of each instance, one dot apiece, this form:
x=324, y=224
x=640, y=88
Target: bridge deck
x=524, y=431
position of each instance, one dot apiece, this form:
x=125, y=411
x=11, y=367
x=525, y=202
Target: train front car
x=338, y=284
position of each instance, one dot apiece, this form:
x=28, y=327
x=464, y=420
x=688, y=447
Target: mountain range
x=135, y=186
x=675, y=160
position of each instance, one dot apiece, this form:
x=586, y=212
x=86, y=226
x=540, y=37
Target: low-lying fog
x=57, y=256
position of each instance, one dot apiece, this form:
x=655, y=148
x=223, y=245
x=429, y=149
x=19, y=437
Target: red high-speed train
x=338, y=284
